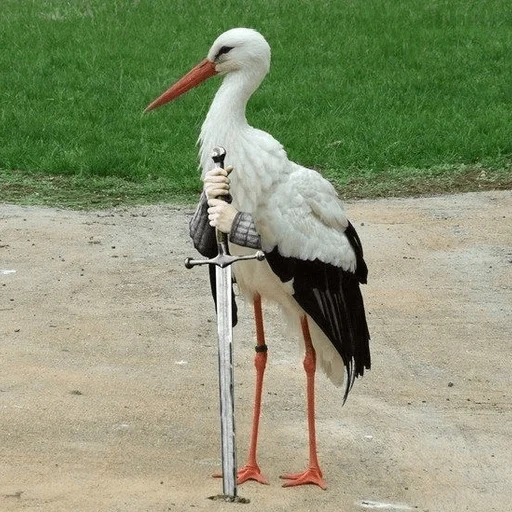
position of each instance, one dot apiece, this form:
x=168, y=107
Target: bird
x=314, y=257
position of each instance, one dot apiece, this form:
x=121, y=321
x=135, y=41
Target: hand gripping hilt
x=223, y=258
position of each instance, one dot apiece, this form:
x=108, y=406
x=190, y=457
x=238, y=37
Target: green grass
x=383, y=96
x=85, y=192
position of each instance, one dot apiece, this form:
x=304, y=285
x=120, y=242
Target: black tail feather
x=332, y=297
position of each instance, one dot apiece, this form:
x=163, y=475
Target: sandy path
x=108, y=392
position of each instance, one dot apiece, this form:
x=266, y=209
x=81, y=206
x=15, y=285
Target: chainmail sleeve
x=202, y=234
x=243, y=231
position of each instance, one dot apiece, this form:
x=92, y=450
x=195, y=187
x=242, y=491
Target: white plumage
x=293, y=207
x=314, y=261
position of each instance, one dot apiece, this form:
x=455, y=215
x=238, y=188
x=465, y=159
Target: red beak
x=205, y=69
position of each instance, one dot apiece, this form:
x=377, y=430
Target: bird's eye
x=224, y=49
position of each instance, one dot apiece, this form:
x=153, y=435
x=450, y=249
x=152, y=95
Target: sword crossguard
x=224, y=260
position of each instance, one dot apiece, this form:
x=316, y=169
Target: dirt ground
x=108, y=383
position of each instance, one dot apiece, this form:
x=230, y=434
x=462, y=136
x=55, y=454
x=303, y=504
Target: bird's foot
x=247, y=472
x=312, y=476
x=251, y=472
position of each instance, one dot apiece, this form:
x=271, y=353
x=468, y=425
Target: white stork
x=314, y=260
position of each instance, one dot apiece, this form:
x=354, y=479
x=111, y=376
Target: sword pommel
x=218, y=155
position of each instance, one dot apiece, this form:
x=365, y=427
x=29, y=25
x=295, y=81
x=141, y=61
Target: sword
x=223, y=262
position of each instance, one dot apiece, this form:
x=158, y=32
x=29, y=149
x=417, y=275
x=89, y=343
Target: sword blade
x=226, y=380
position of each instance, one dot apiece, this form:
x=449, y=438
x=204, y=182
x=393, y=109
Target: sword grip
x=218, y=156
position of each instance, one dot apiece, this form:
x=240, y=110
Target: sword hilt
x=223, y=258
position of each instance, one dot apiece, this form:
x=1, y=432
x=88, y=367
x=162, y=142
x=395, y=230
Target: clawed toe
x=312, y=476
x=246, y=473
x=251, y=472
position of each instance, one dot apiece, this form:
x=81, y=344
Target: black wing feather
x=332, y=297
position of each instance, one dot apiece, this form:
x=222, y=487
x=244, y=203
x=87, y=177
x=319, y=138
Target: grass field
x=382, y=96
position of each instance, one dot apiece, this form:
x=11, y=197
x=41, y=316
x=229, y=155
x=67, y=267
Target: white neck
x=226, y=121
x=254, y=154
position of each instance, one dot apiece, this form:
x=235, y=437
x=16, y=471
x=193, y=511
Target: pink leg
x=313, y=474
x=251, y=470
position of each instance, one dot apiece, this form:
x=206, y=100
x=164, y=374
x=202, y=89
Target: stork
x=314, y=259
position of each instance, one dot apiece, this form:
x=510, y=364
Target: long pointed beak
x=205, y=69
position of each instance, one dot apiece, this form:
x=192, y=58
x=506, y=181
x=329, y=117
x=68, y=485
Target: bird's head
x=241, y=50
